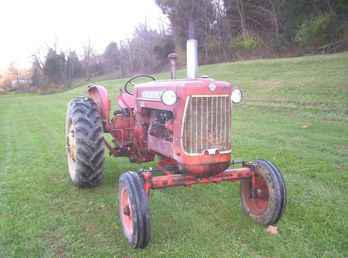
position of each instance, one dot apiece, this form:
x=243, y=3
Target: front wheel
x=263, y=196
x=134, y=210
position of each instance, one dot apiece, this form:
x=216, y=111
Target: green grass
x=295, y=114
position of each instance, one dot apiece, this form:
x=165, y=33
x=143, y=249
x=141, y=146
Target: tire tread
x=83, y=113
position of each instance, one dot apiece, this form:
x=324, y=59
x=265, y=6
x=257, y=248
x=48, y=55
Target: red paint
x=258, y=195
x=130, y=128
x=126, y=212
x=173, y=180
x=199, y=165
x=122, y=129
x=100, y=96
x=125, y=100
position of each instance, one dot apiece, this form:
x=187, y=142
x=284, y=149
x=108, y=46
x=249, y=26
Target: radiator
x=207, y=124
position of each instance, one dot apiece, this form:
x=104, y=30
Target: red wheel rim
x=256, y=195
x=126, y=212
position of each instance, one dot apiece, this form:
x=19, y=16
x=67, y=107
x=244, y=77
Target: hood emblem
x=212, y=86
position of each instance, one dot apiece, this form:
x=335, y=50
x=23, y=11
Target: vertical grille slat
x=207, y=124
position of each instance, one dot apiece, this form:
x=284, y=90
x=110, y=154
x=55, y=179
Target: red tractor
x=187, y=125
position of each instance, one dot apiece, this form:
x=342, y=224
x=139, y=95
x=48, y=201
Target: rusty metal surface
x=100, y=96
x=200, y=141
x=174, y=180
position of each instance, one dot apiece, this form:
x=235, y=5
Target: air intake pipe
x=172, y=61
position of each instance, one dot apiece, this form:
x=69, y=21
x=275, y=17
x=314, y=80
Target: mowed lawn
x=295, y=114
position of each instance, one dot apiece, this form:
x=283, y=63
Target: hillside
x=295, y=113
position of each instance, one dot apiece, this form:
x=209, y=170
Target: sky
x=29, y=27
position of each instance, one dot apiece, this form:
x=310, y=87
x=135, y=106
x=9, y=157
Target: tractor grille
x=207, y=124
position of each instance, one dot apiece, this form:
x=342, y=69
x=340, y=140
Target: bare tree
x=241, y=12
x=14, y=71
x=88, y=51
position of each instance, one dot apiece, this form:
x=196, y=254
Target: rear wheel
x=84, y=142
x=134, y=210
x=263, y=196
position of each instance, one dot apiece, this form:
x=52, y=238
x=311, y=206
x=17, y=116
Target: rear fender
x=100, y=96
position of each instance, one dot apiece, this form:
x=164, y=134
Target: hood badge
x=212, y=86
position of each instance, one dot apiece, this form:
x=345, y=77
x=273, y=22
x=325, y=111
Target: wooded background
x=225, y=29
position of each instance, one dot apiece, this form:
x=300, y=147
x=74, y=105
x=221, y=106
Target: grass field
x=295, y=114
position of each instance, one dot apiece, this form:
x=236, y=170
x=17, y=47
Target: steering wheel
x=130, y=81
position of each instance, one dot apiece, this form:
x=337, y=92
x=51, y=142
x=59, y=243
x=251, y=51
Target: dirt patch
x=55, y=242
x=91, y=229
x=342, y=148
x=343, y=87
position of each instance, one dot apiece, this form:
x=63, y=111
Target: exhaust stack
x=192, y=54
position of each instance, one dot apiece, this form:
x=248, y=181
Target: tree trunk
x=241, y=12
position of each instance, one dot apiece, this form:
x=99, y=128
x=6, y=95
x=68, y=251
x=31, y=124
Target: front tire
x=85, y=143
x=263, y=198
x=134, y=210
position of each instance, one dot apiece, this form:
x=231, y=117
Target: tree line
x=231, y=29
x=225, y=29
x=145, y=52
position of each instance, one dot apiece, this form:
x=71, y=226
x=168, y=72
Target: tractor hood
x=149, y=95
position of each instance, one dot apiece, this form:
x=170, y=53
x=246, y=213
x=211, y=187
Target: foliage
x=146, y=52
x=274, y=22
x=163, y=48
x=180, y=13
x=245, y=43
x=201, y=13
x=73, y=68
x=317, y=31
x=36, y=72
x=111, y=57
x=54, y=67
x=221, y=28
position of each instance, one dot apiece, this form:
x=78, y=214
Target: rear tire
x=264, y=200
x=134, y=210
x=85, y=143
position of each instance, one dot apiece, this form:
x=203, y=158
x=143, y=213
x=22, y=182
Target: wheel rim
x=71, y=142
x=71, y=149
x=126, y=212
x=256, y=195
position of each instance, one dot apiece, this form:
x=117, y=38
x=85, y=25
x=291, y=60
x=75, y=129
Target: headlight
x=169, y=97
x=236, y=96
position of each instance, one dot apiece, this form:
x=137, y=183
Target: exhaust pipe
x=191, y=53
